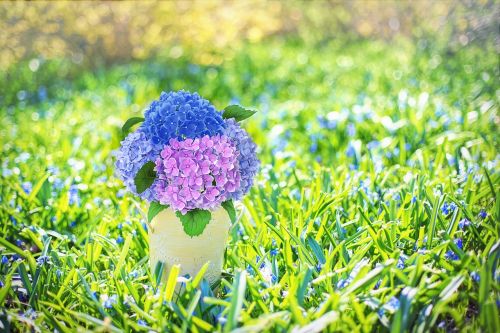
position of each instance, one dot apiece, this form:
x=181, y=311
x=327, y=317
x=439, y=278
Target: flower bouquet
x=190, y=162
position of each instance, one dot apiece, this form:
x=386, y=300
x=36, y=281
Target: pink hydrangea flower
x=197, y=173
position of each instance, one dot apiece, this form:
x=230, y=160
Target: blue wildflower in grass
x=463, y=223
x=313, y=147
x=19, y=243
x=221, y=320
x=414, y=199
x=5, y=260
x=74, y=196
x=377, y=285
x=450, y=254
x=393, y=304
x=120, y=193
x=72, y=224
x=448, y=208
x=180, y=115
x=119, y=240
x=318, y=267
x=248, y=162
x=133, y=153
x=351, y=130
x=483, y=214
x=141, y=322
x=475, y=276
x=274, y=252
x=342, y=283
x=373, y=145
x=27, y=187
x=42, y=260
x=401, y=262
x=351, y=151
x=107, y=302
x=58, y=273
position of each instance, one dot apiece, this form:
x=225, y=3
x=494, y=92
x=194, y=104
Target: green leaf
x=317, y=250
x=195, y=221
x=45, y=192
x=154, y=209
x=237, y=298
x=231, y=211
x=237, y=112
x=37, y=187
x=129, y=123
x=145, y=177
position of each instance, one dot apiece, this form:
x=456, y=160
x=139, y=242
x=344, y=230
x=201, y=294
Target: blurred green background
x=46, y=44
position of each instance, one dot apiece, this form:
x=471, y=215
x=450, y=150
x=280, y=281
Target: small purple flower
x=274, y=252
x=119, y=240
x=483, y=214
x=141, y=322
x=475, y=276
x=463, y=223
x=5, y=260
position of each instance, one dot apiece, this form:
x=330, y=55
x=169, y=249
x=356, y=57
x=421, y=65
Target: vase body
x=169, y=244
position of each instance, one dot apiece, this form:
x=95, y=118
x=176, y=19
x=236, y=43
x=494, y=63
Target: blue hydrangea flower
x=134, y=152
x=180, y=115
x=248, y=161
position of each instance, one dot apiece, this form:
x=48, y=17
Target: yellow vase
x=169, y=243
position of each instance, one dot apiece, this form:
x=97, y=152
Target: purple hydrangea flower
x=181, y=115
x=247, y=159
x=134, y=152
x=199, y=173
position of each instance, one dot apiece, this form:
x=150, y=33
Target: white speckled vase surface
x=169, y=244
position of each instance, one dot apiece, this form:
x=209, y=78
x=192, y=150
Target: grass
x=376, y=208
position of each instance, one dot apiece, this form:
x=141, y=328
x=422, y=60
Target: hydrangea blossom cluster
x=247, y=159
x=199, y=173
x=181, y=115
x=201, y=156
x=134, y=152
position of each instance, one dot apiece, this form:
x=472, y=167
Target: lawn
x=376, y=207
